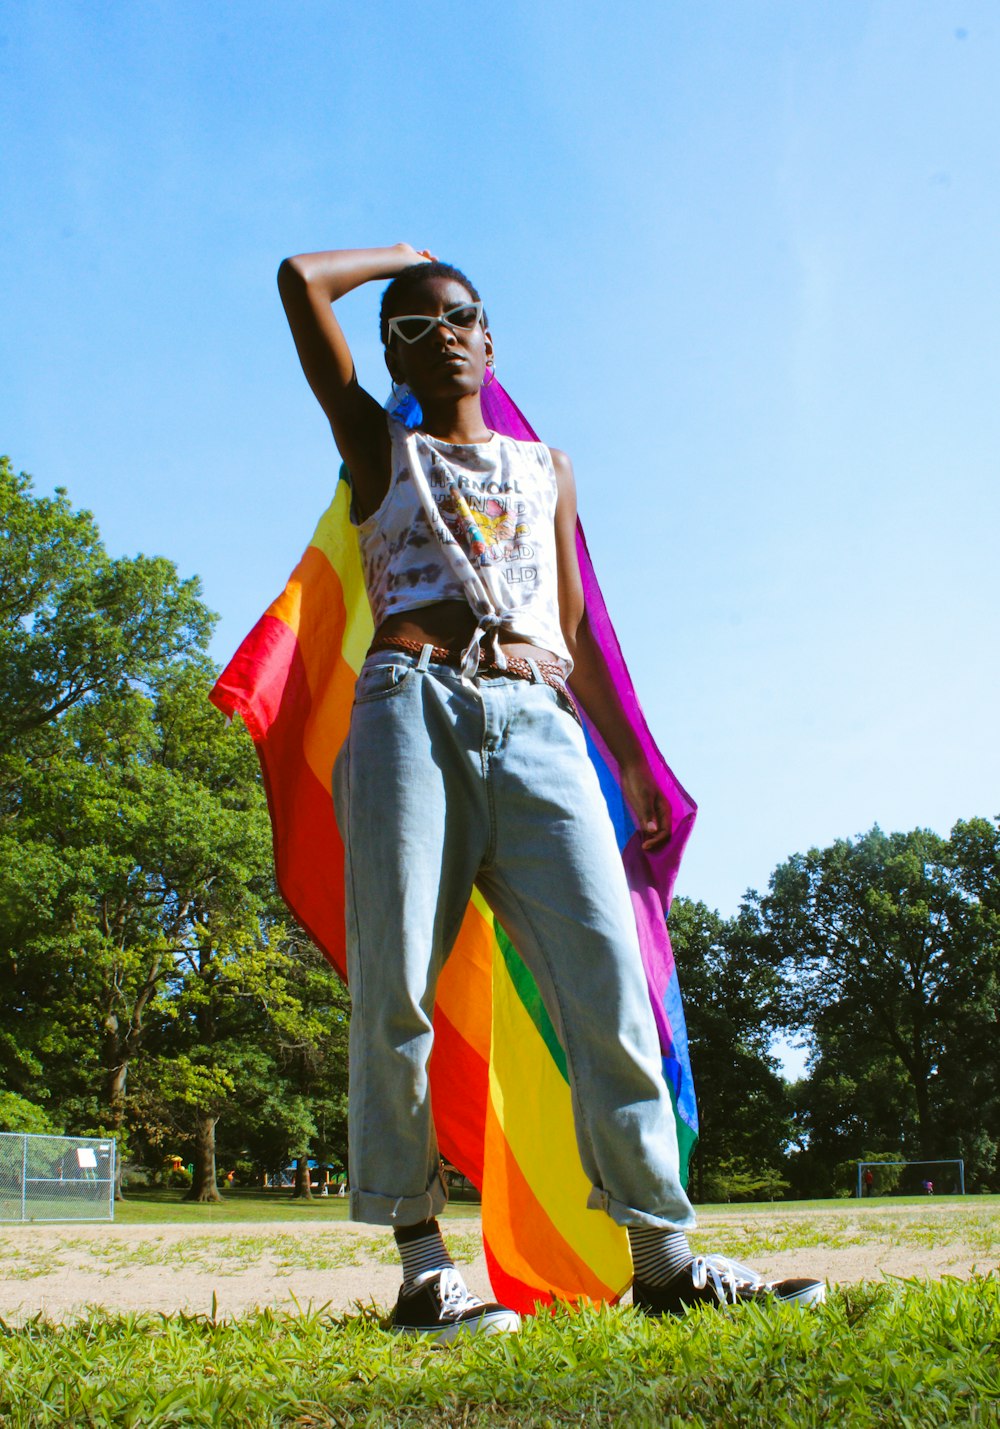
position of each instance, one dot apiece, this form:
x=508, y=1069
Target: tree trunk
x=303, y=1183
x=118, y=1052
x=925, y=1120
x=114, y=1094
x=203, y=1186
x=696, y=1180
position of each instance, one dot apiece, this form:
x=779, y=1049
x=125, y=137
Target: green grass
x=22, y=1259
x=321, y=1250
x=329, y=1242
x=847, y=1203
x=910, y=1227
x=905, y=1354
x=44, y=1210
x=169, y=1208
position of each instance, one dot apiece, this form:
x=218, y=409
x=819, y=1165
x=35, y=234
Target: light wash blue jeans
x=441, y=786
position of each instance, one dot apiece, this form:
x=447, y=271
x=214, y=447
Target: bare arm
x=309, y=284
x=591, y=683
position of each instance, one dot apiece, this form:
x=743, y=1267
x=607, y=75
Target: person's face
x=446, y=362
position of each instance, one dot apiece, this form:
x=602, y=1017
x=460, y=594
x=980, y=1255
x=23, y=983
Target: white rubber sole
x=809, y=1295
x=497, y=1322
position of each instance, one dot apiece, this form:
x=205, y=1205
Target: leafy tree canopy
x=74, y=622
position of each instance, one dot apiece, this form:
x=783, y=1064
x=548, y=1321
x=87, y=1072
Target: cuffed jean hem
x=379, y=1210
x=623, y=1215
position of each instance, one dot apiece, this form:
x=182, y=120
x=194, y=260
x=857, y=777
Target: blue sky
x=740, y=261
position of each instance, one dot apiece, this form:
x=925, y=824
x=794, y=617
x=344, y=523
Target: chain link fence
x=56, y=1178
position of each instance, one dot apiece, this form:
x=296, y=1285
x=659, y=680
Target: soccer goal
x=911, y=1178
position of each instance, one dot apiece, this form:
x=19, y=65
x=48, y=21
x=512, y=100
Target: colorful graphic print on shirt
x=487, y=519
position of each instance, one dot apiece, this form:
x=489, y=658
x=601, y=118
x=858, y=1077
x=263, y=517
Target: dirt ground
x=60, y=1270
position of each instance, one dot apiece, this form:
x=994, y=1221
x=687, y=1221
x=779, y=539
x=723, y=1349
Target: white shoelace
x=456, y=1297
x=727, y=1277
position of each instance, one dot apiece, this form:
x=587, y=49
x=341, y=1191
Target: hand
x=647, y=803
x=411, y=255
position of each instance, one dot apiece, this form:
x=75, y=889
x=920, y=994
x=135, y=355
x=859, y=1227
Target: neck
x=458, y=421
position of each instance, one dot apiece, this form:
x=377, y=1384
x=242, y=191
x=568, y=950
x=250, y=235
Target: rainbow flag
x=498, y=1073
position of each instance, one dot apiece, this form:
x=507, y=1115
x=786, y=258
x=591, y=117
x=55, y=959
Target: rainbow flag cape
x=498, y=1073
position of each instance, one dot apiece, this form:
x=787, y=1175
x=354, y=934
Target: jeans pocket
x=379, y=682
x=566, y=702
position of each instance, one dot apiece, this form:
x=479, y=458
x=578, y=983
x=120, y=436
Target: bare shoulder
x=565, y=488
x=560, y=460
x=563, y=468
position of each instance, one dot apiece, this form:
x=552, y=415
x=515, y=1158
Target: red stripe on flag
x=460, y=1088
x=308, y=850
x=255, y=681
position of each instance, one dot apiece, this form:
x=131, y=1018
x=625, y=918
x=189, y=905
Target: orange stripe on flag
x=523, y=1237
x=464, y=989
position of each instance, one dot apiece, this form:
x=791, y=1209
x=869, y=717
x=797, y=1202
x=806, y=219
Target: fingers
x=650, y=806
x=656, y=824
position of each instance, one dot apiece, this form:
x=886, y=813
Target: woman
x=465, y=765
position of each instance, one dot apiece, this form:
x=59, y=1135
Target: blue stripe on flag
x=621, y=815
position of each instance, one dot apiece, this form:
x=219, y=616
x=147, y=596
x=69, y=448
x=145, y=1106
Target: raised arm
x=309, y=284
x=592, y=686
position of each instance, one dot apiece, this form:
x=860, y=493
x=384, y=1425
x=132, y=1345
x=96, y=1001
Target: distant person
x=466, y=765
x=869, y=1180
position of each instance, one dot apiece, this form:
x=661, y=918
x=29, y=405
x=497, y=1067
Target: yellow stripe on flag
x=337, y=539
x=531, y=1101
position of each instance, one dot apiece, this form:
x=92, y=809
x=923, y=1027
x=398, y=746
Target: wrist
x=632, y=756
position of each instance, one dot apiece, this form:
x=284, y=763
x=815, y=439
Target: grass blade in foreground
x=911, y=1353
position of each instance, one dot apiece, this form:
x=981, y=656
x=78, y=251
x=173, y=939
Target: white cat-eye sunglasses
x=415, y=326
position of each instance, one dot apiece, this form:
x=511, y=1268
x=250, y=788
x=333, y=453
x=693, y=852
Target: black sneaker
x=715, y=1280
x=440, y=1306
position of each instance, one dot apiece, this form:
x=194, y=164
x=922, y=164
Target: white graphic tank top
x=471, y=522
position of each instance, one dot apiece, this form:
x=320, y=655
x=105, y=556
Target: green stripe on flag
x=531, y=999
x=687, y=1139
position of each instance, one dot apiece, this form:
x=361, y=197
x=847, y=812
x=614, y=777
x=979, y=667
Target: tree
x=18, y=1114
x=298, y=1107
x=83, y=639
x=732, y=1009
x=76, y=624
x=210, y=867
x=970, y=1070
x=135, y=869
x=883, y=951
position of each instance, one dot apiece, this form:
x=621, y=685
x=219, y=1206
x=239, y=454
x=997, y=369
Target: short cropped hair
x=412, y=277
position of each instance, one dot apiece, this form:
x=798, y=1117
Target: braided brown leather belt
x=550, y=672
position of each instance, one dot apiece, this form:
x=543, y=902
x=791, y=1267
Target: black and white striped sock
x=658, y=1255
x=421, y=1248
